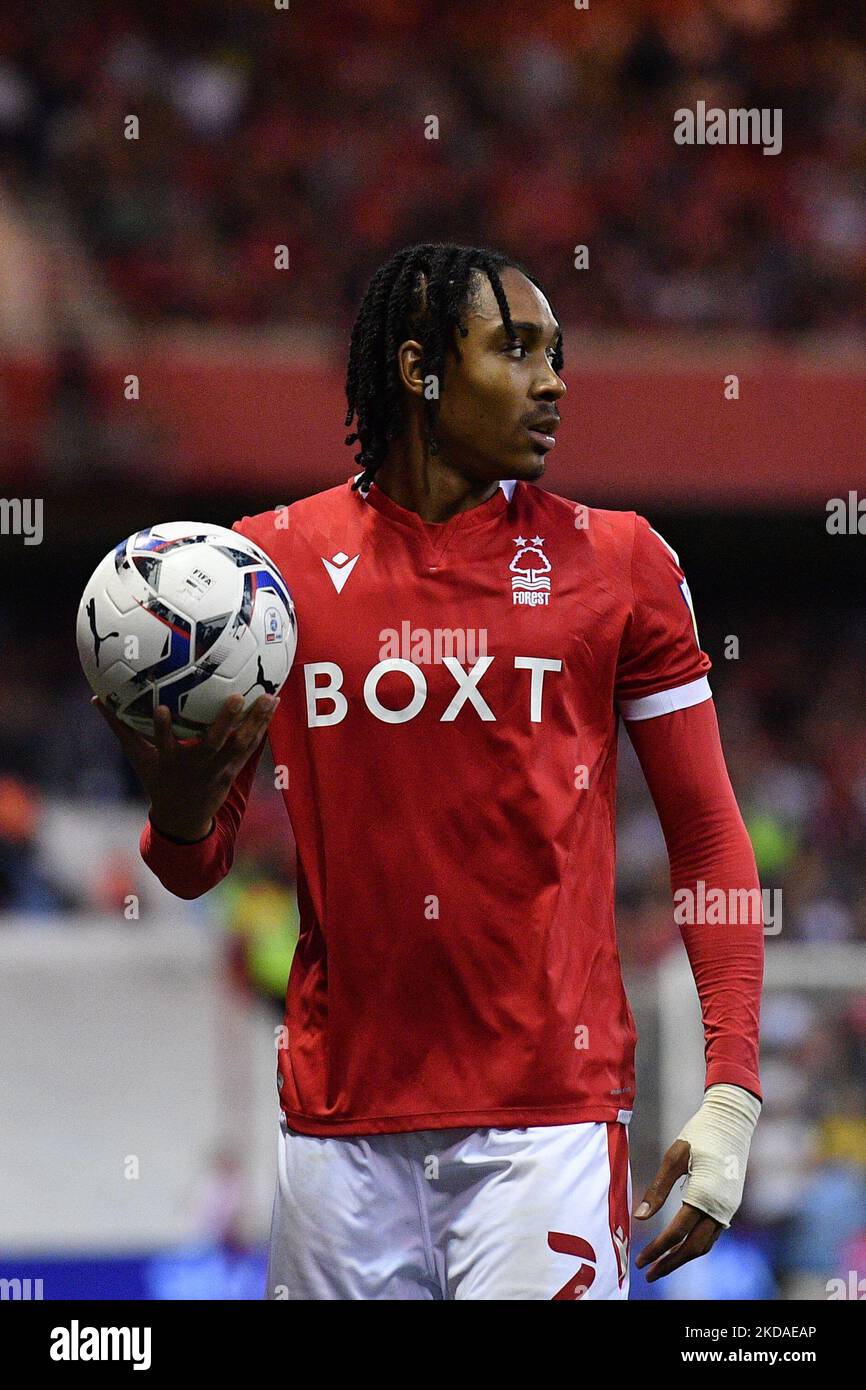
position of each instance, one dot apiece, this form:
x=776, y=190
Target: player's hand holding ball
x=186, y=632
x=188, y=780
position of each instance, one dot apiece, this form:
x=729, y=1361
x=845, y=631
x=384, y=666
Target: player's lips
x=541, y=432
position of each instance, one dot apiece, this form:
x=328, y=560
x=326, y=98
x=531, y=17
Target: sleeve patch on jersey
x=666, y=701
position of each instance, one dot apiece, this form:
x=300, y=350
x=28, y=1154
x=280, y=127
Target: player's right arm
x=198, y=790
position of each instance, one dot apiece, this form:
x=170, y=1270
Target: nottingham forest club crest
x=530, y=573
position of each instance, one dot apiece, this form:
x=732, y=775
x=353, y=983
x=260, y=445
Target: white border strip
x=666, y=701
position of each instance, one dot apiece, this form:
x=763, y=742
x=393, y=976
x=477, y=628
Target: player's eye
x=523, y=350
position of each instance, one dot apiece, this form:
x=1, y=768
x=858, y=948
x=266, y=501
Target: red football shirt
x=449, y=728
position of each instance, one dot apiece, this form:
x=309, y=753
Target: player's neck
x=425, y=486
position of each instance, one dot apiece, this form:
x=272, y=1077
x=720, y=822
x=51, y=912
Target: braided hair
x=420, y=293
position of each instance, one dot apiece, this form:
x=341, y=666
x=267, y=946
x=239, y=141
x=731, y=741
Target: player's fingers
x=163, y=733
x=676, y=1230
x=674, y=1165
x=133, y=744
x=228, y=719
x=699, y=1240
x=250, y=732
x=257, y=717
x=249, y=726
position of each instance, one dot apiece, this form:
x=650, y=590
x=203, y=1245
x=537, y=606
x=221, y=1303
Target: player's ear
x=409, y=364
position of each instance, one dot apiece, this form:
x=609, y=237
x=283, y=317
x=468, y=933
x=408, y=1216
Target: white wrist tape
x=719, y=1136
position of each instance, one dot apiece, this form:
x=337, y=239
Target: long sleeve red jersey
x=449, y=730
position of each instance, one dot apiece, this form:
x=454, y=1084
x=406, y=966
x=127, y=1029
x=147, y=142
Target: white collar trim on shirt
x=507, y=484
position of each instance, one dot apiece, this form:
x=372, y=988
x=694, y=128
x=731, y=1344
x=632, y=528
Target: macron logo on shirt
x=339, y=568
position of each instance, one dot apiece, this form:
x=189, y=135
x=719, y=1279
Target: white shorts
x=535, y=1213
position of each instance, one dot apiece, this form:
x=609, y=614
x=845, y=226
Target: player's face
x=498, y=411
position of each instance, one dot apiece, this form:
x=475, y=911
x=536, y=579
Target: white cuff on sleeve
x=666, y=701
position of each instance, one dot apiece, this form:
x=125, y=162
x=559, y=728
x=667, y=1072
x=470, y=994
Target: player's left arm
x=682, y=759
x=675, y=733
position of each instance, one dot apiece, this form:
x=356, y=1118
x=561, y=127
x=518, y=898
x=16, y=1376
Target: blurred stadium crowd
x=257, y=131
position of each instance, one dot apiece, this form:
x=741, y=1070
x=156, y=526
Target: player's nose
x=549, y=386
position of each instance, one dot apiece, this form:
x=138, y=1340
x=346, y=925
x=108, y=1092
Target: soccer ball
x=185, y=615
